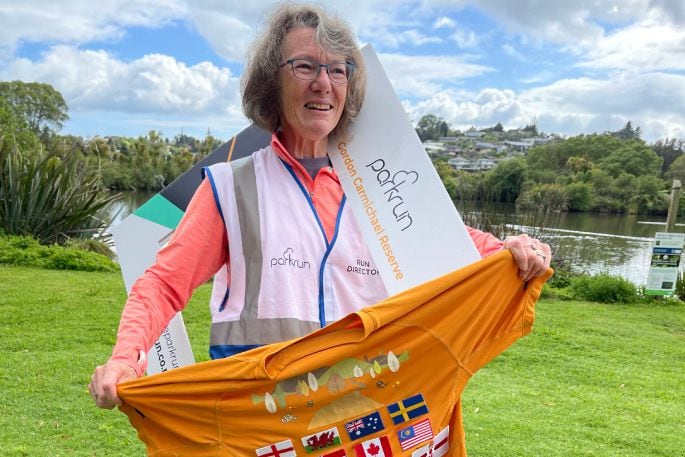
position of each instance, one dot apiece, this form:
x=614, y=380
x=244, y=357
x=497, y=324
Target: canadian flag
x=376, y=447
x=439, y=446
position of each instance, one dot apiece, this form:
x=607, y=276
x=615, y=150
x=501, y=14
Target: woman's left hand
x=532, y=256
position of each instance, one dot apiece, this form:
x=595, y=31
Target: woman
x=276, y=224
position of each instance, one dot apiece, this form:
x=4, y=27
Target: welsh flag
x=376, y=447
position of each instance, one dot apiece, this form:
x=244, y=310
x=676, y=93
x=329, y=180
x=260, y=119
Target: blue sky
x=579, y=66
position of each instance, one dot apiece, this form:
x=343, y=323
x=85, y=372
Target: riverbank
x=591, y=379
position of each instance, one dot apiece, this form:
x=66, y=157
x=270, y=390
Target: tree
x=633, y=157
x=669, y=150
x=627, y=132
x=38, y=104
x=505, y=181
x=431, y=127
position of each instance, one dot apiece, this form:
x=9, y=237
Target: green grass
x=591, y=380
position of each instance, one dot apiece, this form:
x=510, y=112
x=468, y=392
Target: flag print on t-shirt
x=409, y=408
x=364, y=426
x=438, y=447
x=415, y=434
x=375, y=447
x=321, y=440
x=281, y=449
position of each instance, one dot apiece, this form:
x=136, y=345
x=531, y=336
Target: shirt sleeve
x=196, y=251
x=486, y=243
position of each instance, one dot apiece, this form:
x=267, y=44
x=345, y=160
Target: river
x=586, y=242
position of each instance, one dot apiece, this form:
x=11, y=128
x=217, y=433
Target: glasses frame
x=350, y=69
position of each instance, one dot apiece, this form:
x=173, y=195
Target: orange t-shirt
x=386, y=380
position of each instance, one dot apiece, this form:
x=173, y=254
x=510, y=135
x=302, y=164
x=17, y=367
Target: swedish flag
x=409, y=408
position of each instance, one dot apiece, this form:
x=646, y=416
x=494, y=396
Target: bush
x=28, y=252
x=603, y=288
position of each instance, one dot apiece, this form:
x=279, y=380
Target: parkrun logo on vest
x=287, y=260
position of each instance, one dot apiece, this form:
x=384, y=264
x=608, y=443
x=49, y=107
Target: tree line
x=609, y=172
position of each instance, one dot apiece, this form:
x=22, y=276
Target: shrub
x=603, y=288
x=27, y=251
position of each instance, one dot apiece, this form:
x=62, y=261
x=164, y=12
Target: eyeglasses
x=306, y=69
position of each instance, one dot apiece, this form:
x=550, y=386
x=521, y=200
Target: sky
x=126, y=67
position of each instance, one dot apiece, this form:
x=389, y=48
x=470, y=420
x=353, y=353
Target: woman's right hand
x=103, y=384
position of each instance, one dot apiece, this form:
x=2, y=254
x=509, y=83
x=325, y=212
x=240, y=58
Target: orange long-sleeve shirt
x=199, y=247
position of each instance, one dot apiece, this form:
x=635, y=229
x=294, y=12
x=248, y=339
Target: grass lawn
x=591, y=380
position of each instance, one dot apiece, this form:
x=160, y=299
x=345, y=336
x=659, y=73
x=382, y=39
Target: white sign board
x=409, y=222
x=665, y=264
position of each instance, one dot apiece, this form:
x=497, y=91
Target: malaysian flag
x=364, y=426
x=437, y=448
x=280, y=449
x=415, y=434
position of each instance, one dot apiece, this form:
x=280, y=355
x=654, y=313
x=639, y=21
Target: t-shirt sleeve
x=196, y=251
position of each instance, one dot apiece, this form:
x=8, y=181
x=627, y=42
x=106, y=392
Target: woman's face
x=310, y=109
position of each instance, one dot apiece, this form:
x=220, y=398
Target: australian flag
x=359, y=428
x=409, y=408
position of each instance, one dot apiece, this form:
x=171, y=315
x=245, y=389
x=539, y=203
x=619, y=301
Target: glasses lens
x=338, y=72
x=304, y=69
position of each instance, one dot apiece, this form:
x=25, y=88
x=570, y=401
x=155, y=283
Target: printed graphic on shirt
x=364, y=426
x=415, y=434
x=409, y=408
x=438, y=447
x=376, y=447
x=281, y=449
x=362, y=267
x=290, y=260
x=346, y=375
x=321, y=440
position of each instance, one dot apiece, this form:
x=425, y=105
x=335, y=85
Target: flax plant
x=52, y=197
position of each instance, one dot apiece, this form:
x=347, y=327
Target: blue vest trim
x=222, y=351
x=206, y=171
x=322, y=309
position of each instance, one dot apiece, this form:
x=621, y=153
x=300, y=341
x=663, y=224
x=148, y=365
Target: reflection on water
x=587, y=242
x=616, y=244
x=129, y=202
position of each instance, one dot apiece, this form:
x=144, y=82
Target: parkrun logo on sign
x=390, y=184
x=287, y=260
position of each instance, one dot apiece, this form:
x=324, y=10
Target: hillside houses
x=481, y=150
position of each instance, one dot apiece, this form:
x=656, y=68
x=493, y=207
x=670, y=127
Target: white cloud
x=444, y=22
x=652, y=101
x=645, y=46
x=76, y=21
x=421, y=76
x=92, y=80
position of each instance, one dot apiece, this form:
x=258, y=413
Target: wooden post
x=673, y=206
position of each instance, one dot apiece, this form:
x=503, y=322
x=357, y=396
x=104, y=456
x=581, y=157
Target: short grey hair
x=260, y=85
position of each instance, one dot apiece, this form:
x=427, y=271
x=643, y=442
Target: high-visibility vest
x=286, y=278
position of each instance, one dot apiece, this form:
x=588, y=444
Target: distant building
x=473, y=134
x=481, y=164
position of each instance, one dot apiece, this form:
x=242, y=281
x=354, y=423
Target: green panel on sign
x=161, y=211
x=658, y=292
